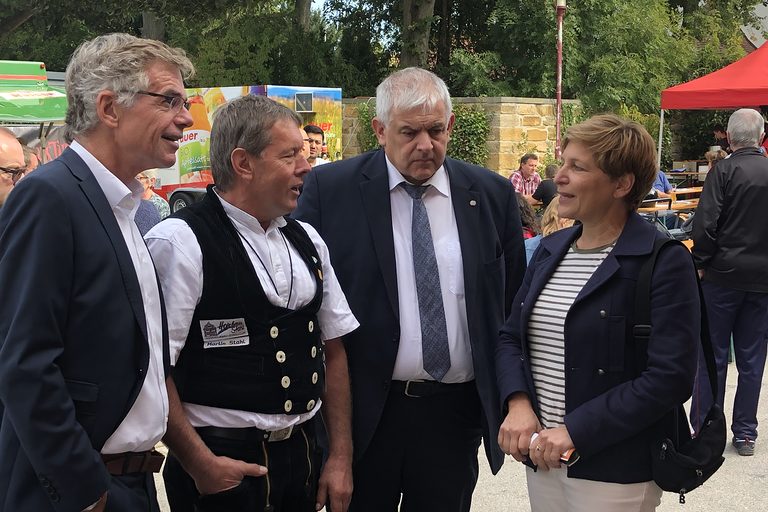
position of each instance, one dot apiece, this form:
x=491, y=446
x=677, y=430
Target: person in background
x=148, y=179
x=550, y=222
x=316, y=138
x=31, y=159
x=146, y=216
x=11, y=163
x=531, y=226
x=561, y=361
x=721, y=138
x=546, y=189
x=713, y=157
x=306, y=139
x=730, y=249
x=525, y=180
x=662, y=186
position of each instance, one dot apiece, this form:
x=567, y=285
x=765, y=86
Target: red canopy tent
x=743, y=83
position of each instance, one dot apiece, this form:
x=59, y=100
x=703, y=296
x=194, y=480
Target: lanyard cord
x=269, y=275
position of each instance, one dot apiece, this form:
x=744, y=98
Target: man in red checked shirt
x=525, y=180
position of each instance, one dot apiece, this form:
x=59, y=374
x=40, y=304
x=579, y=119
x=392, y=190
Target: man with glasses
x=315, y=138
x=83, y=343
x=11, y=163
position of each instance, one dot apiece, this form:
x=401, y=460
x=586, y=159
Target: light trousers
x=553, y=491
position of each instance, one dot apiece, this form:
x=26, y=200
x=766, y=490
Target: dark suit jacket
x=73, y=342
x=612, y=409
x=348, y=203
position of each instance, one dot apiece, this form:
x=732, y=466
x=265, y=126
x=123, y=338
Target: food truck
x=185, y=182
x=34, y=110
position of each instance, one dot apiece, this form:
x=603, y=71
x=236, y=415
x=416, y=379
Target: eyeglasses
x=173, y=101
x=16, y=172
x=313, y=141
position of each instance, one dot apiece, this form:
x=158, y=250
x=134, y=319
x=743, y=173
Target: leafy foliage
x=366, y=138
x=470, y=135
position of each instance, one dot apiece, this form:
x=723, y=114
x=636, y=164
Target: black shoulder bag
x=680, y=463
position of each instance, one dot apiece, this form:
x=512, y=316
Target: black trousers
x=289, y=486
x=134, y=492
x=424, y=452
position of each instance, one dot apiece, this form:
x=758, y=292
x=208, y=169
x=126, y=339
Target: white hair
x=745, y=128
x=113, y=62
x=411, y=88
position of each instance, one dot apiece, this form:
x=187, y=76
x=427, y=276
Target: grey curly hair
x=115, y=62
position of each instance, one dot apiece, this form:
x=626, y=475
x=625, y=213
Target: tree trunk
x=301, y=14
x=152, y=26
x=444, y=39
x=13, y=22
x=417, y=20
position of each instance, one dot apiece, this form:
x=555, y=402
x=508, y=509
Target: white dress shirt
x=144, y=425
x=409, y=364
x=179, y=258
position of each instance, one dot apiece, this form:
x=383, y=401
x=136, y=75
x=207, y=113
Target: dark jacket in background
x=730, y=234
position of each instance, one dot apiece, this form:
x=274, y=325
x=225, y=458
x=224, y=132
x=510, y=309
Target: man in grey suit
x=429, y=253
x=83, y=342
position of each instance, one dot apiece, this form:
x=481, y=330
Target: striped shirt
x=546, y=341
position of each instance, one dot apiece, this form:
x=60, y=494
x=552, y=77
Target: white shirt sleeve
x=179, y=264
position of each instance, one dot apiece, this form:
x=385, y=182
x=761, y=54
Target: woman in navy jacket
x=567, y=365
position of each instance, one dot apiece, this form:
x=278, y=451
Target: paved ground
x=738, y=486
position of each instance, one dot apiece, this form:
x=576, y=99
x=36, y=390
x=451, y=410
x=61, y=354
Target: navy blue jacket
x=73, y=339
x=348, y=202
x=613, y=405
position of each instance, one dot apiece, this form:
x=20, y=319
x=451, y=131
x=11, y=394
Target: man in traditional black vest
x=254, y=313
x=429, y=251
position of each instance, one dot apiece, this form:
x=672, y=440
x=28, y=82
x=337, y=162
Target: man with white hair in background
x=730, y=248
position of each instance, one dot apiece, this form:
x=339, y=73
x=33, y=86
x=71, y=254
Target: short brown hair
x=619, y=147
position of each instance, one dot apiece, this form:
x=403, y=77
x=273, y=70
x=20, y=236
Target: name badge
x=231, y=332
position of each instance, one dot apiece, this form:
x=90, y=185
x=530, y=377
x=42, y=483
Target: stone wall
x=518, y=126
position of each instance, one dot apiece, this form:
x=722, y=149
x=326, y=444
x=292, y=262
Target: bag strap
x=642, y=328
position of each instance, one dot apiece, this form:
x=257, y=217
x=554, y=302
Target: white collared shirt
x=445, y=237
x=176, y=250
x=144, y=425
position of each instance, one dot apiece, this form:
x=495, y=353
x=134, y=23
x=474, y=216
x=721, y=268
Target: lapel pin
x=472, y=203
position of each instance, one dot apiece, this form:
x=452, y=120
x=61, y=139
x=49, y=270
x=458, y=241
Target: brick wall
x=518, y=125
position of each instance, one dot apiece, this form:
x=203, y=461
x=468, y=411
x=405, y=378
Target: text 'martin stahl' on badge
x=230, y=332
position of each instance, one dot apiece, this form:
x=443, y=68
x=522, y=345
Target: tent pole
x=661, y=132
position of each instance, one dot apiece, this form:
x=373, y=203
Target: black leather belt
x=250, y=434
x=425, y=388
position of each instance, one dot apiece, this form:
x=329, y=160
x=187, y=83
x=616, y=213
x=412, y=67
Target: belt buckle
x=408, y=389
x=280, y=435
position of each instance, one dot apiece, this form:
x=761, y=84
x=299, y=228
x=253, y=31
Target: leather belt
x=249, y=434
x=133, y=462
x=426, y=388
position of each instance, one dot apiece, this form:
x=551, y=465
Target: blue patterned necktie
x=434, y=336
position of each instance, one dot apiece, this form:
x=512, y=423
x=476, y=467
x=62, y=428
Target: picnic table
x=685, y=193
x=661, y=206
